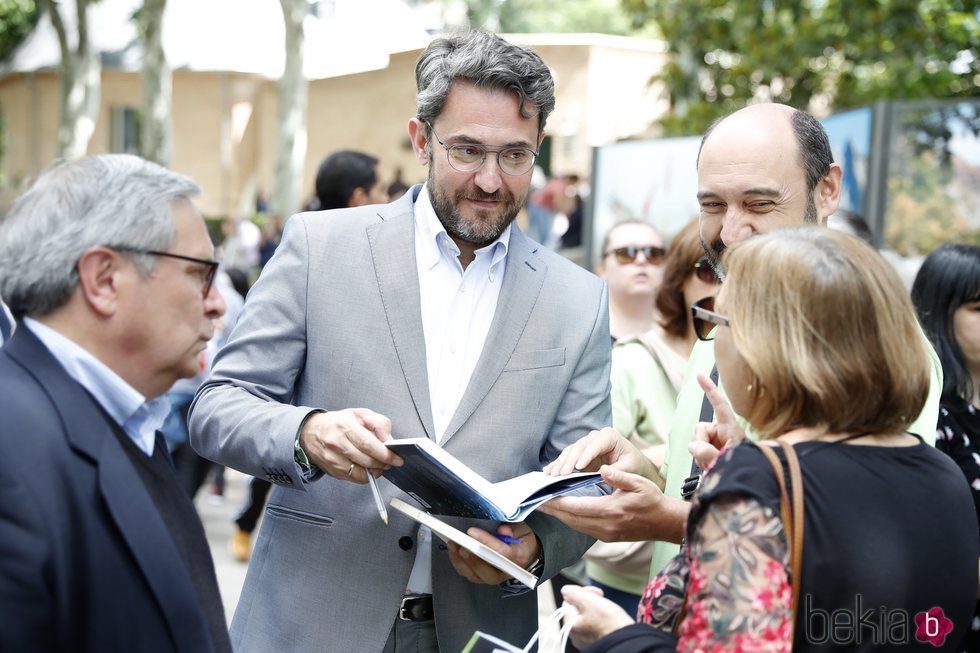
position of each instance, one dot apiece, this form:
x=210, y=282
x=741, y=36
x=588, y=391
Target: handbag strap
x=791, y=507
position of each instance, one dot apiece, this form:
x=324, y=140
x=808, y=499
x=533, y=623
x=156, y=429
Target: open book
x=443, y=485
x=448, y=533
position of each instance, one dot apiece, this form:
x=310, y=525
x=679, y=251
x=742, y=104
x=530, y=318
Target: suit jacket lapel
x=522, y=284
x=88, y=432
x=393, y=252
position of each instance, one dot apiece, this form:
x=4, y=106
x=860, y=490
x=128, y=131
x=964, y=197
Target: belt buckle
x=403, y=614
x=401, y=608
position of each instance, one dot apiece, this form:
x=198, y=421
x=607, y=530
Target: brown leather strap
x=793, y=515
x=796, y=483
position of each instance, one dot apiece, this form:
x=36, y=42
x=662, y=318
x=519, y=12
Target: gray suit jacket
x=334, y=322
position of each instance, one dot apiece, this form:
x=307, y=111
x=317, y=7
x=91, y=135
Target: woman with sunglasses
x=630, y=264
x=818, y=347
x=647, y=371
x=946, y=294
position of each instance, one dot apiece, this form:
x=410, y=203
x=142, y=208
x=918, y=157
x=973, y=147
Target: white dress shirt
x=457, y=308
x=140, y=419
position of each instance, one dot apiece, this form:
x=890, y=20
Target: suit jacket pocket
x=298, y=515
x=530, y=360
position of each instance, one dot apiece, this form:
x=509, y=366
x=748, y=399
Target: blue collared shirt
x=140, y=419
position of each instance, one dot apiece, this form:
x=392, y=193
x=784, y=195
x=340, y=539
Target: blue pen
x=507, y=539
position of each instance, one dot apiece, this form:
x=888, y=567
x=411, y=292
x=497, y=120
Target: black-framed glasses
x=705, y=272
x=207, y=276
x=470, y=157
x=654, y=255
x=705, y=319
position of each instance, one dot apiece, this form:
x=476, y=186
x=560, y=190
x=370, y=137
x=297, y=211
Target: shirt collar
x=436, y=243
x=124, y=404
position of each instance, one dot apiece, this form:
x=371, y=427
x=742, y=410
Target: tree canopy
x=17, y=19
x=822, y=55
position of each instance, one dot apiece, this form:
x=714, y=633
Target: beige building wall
x=225, y=123
x=30, y=105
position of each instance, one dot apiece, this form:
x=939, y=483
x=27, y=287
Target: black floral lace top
x=877, y=521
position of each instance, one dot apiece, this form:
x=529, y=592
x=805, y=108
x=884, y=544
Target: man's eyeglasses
x=469, y=157
x=624, y=255
x=705, y=272
x=705, y=319
x=207, y=275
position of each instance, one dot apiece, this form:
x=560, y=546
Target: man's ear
x=827, y=193
x=420, y=141
x=358, y=198
x=98, y=278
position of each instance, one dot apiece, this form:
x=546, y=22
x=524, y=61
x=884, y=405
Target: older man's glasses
x=705, y=319
x=208, y=271
x=470, y=157
x=625, y=255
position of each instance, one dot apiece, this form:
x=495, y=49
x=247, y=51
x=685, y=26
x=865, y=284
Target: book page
x=448, y=533
x=520, y=495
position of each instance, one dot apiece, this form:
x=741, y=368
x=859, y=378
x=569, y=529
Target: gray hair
x=116, y=200
x=815, y=154
x=487, y=61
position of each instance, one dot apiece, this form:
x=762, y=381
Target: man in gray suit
x=430, y=316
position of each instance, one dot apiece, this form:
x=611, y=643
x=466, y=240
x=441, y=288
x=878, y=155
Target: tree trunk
x=156, y=131
x=81, y=81
x=291, y=119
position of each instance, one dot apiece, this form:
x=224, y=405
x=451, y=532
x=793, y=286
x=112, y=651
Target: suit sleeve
x=585, y=407
x=26, y=600
x=241, y=416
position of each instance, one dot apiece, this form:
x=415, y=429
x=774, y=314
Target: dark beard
x=714, y=252
x=477, y=232
x=810, y=213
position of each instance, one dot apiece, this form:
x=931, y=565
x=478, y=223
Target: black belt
x=416, y=608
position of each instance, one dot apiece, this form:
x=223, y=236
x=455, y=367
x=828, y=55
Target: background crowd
x=290, y=352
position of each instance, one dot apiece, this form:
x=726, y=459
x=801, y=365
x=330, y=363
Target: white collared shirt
x=140, y=419
x=457, y=309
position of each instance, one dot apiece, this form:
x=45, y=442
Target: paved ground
x=217, y=516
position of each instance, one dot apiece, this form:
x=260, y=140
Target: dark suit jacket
x=86, y=562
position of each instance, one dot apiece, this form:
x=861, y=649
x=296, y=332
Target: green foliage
x=833, y=53
x=928, y=202
x=17, y=19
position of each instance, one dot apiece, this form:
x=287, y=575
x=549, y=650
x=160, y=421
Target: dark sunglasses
x=624, y=255
x=207, y=276
x=705, y=272
x=705, y=319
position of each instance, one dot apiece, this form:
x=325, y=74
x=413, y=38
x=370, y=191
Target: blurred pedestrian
x=630, y=264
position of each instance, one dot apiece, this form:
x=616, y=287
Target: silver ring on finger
x=350, y=470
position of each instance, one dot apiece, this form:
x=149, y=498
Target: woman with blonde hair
x=818, y=349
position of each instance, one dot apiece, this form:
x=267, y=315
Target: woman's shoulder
x=743, y=470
